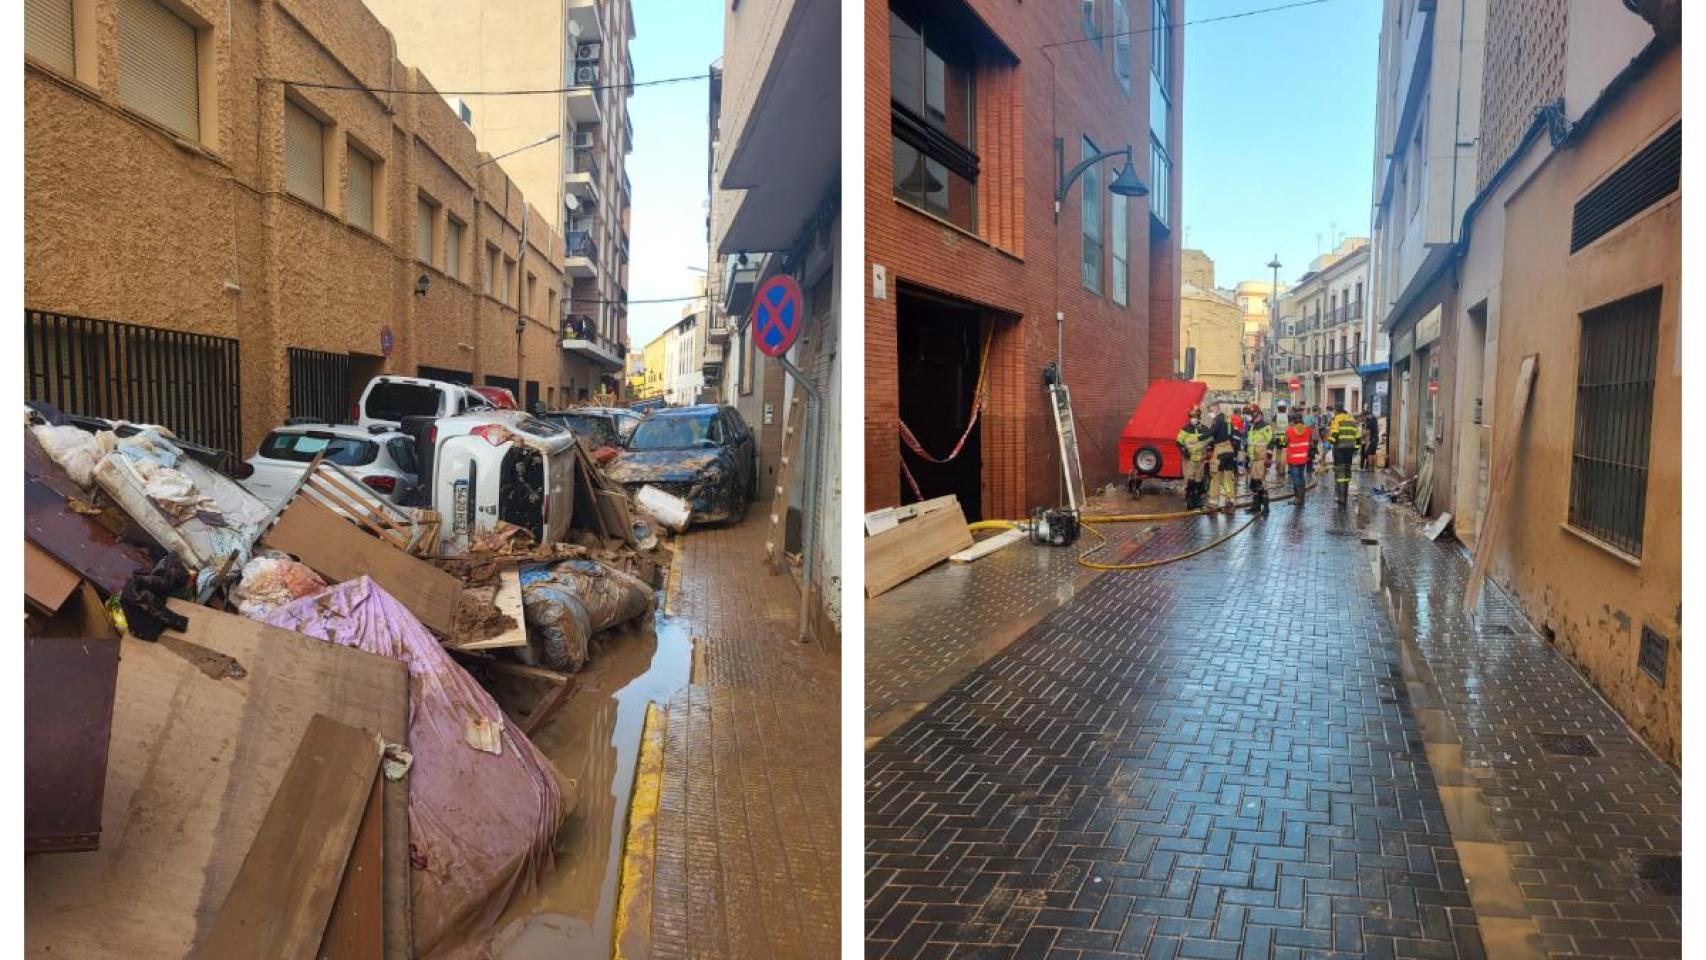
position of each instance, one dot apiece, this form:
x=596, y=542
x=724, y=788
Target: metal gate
x=187, y=382
x=319, y=385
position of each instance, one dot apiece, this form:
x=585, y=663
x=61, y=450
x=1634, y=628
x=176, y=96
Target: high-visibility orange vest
x=1297, y=442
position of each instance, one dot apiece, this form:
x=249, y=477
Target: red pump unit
x=1148, y=450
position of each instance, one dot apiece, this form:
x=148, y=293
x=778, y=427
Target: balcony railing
x=587, y=160
x=582, y=245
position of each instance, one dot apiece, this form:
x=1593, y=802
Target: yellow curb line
x=672, y=585
x=633, y=932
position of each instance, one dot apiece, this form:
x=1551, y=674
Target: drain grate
x=1660, y=875
x=1567, y=745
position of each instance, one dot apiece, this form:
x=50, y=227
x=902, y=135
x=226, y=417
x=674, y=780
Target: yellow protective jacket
x=1194, y=440
x=1344, y=432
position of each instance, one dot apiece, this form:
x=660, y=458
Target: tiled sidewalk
x=748, y=817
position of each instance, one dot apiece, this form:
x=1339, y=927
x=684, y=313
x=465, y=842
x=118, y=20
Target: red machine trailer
x=1147, y=444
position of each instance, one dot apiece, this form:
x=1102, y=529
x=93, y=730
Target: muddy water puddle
x=595, y=740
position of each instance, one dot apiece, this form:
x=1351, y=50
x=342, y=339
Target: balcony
x=627, y=190
x=628, y=129
x=586, y=97
x=584, y=13
x=582, y=255
x=581, y=180
x=581, y=338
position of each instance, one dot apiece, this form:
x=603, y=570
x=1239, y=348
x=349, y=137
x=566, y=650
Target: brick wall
x=1010, y=269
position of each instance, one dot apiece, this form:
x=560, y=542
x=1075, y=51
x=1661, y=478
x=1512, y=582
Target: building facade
x=776, y=212
x=1211, y=327
x=568, y=150
x=977, y=277
x=1568, y=258
x=225, y=226
x=1322, y=320
x=1255, y=303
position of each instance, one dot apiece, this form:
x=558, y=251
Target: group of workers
x=1215, y=453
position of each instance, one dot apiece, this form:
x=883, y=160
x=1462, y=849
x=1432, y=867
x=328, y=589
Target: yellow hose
x=1146, y=564
x=992, y=525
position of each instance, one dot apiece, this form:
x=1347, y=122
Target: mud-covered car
x=706, y=455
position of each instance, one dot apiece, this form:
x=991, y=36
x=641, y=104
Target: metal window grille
x=1614, y=409
x=319, y=385
x=1648, y=177
x=187, y=382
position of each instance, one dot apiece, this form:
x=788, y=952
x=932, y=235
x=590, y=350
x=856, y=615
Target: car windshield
x=672, y=433
x=394, y=401
x=303, y=447
x=595, y=429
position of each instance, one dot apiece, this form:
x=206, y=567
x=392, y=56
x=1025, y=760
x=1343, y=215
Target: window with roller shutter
x=304, y=155
x=48, y=34
x=426, y=218
x=157, y=69
x=358, y=195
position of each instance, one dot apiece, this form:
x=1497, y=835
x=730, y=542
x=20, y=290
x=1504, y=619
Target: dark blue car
x=706, y=455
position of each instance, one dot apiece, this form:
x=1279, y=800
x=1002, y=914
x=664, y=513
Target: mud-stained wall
x=130, y=221
x=1593, y=600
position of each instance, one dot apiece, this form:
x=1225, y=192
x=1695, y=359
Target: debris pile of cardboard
x=209, y=681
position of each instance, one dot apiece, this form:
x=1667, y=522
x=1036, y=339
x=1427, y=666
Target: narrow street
x=1254, y=752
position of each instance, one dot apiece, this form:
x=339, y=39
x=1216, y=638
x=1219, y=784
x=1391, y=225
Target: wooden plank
x=984, y=548
x=1501, y=479
x=548, y=706
x=48, y=583
x=204, y=728
x=357, y=928
x=508, y=600
x=282, y=898
x=923, y=507
x=917, y=545
x=338, y=551
x=613, y=506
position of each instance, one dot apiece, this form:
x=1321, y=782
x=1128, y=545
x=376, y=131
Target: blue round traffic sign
x=778, y=312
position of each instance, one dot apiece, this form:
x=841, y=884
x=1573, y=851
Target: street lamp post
x=1125, y=184
x=1273, y=322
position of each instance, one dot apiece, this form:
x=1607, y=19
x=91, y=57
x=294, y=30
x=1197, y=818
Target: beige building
x=1569, y=252
x=568, y=151
x=1211, y=326
x=1322, y=323
x=216, y=251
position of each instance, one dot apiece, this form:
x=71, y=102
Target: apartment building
x=776, y=210
x=1255, y=304
x=1022, y=210
x=1322, y=319
x=569, y=149
x=1568, y=258
x=242, y=212
x=1211, y=326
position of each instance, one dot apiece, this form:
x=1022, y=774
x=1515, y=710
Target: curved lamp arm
x=1066, y=178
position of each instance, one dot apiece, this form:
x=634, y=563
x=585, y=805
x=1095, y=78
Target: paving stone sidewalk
x=747, y=850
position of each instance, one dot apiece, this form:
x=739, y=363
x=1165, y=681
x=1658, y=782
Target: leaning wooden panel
x=339, y=551
x=205, y=724
x=282, y=898
x=357, y=928
x=895, y=556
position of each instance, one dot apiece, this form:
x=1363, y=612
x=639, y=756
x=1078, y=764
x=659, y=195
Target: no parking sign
x=778, y=312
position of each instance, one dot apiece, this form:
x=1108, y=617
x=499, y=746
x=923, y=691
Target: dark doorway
x=940, y=341
x=445, y=374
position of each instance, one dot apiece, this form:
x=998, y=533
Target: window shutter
x=359, y=202
x=48, y=33
x=453, y=250
x=423, y=229
x=304, y=155
x=157, y=66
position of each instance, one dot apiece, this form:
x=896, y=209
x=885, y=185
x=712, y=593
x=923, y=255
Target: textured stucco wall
x=127, y=221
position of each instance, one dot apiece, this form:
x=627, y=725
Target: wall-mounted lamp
x=421, y=284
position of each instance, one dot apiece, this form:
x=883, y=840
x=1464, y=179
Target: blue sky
x=668, y=166
x=1279, y=132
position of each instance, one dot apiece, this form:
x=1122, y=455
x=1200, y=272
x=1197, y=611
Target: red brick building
x=965, y=100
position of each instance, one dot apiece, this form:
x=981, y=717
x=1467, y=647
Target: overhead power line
x=1189, y=23
x=320, y=85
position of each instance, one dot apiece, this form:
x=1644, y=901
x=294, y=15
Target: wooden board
x=613, y=506
x=898, y=555
x=984, y=548
x=47, y=582
x=508, y=600
x=357, y=928
x=196, y=756
x=1501, y=479
x=282, y=898
x=85, y=543
x=339, y=551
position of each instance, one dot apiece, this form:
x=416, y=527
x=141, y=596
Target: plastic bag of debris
x=268, y=583
x=569, y=602
x=484, y=803
x=77, y=451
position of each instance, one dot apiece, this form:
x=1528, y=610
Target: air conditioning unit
x=586, y=74
x=583, y=138
x=588, y=51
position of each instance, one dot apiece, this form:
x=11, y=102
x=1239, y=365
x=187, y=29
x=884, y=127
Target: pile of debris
x=209, y=682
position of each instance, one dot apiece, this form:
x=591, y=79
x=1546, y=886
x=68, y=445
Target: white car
x=501, y=465
x=382, y=459
x=386, y=400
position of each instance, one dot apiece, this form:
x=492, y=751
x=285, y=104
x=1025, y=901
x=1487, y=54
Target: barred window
x=1614, y=412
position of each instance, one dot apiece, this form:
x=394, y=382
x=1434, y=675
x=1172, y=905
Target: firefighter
x=1259, y=441
x=1299, y=454
x=1223, y=464
x=1346, y=436
x=1193, y=453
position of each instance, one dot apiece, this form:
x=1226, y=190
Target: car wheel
x=1146, y=461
